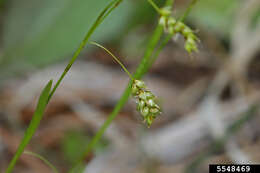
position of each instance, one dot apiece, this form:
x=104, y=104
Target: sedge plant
x=149, y=57
x=142, y=68
x=146, y=101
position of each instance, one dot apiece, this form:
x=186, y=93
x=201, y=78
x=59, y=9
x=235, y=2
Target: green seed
x=142, y=96
x=145, y=111
x=163, y=21
x=171, y=21
x=139, y=84
x=149, y=95
x=150, y=103
x=134, y=90
x=187, y=31
x=140, y=105
x=154, y=111
x=179, y=26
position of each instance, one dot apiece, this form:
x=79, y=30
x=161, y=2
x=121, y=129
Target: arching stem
x=115, y=58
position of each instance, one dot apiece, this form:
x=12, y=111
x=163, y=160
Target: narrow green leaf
x=107, y=10
x=38, y=114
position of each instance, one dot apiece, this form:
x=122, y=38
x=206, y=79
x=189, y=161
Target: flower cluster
x=146, y=102
x=172, y=26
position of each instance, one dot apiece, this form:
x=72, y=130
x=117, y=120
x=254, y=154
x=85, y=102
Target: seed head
x=172, y=26
x=146, y=102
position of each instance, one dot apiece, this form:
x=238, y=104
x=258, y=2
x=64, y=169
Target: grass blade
x=107, y=10
x=48, y=93
x=37, y=116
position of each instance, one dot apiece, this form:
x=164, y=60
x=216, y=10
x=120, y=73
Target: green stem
x=109, y=8
x=145, y=63
x=158, y=51
x=188, y=9
x=155, y=6
x=167, y=4
x=115, y=58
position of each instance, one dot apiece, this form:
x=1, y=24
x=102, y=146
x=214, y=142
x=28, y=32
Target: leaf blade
x=37, y=116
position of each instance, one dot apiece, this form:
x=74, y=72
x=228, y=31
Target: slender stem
x=116, y=4
x=145, y=63
x=167, y=4
x=115, y=58
x=42, y=159
x=98, y=21
x=154, y=6
x=163, y=44
x=188, y=9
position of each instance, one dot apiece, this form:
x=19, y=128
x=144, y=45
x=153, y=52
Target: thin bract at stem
x=42, y=159
x=115, y=58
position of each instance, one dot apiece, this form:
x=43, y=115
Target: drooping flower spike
x=173, y=26
x=146, y=101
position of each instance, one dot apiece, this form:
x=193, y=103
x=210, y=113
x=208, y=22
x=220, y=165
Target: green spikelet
x=172, y=26
x=145, y=100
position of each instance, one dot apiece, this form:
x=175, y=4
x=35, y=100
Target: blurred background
x=210, y=99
